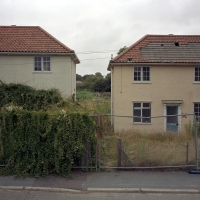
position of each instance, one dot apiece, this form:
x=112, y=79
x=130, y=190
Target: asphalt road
x=38, y=195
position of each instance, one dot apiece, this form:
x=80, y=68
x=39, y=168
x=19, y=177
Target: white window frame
x=44, y=60
x=141, y=108
x=198, y=74
x=142, y=77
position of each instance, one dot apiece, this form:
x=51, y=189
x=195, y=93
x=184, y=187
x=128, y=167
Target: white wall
x=73, y=65
x=20, y=69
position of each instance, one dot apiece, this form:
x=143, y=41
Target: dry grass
x=96, y=106
x=95, y=102
x=146, y=150
x=141, y=149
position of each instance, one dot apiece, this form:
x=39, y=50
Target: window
x=141, y=73
x=197, y=110
x=197, y=74
x=42, y=64
x=142, y=112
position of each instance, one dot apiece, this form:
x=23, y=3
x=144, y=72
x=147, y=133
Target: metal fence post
x=196, y=142
x=119, y=150
x=187, y=147
x=97, y=143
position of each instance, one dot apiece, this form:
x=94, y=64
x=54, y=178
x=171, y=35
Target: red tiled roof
x=29, y=39
x=162, y=49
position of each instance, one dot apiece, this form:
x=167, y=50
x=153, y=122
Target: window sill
x=196, y=82
x=141, y=82
x=138, y=123
x=42, y=72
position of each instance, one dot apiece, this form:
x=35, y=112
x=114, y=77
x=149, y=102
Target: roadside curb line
x=107, y=190
x=163, y=190
x=144, y=190
x=50, y=189
x=125, y=190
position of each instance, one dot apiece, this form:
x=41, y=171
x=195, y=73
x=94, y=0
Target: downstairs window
x=142, y=112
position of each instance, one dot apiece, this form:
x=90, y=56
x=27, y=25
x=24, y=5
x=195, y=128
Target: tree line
x=94, y=82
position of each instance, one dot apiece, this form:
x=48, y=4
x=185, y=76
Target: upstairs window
x=197, y=74
x=142, y=112
x=141, y=74
x=42, y=64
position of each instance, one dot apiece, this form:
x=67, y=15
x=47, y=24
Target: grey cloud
x=102, y=25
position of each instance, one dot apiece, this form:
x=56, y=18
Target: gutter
x=75, y=58
x=151, y=63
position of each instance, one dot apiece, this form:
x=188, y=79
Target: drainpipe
x=71, y=78
x=75, y=83
x=111, y=95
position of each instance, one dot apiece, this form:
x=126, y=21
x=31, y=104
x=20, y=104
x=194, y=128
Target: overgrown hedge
x=28, y=97
x=35, y=143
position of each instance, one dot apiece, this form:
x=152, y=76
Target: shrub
x=35, y=143
x=28, y=97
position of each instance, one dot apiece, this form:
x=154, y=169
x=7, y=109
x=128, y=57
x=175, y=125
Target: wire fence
x=121, y=144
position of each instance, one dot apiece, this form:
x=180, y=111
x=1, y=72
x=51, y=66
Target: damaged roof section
x=172, y=51
x=162, y=49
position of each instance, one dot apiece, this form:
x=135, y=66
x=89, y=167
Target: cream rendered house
x=159, y=75
x=29, y=55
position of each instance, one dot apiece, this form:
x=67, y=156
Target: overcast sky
x=102, y=25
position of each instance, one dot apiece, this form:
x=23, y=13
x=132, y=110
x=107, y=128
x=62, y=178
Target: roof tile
x=29, y=39
x=162, y=49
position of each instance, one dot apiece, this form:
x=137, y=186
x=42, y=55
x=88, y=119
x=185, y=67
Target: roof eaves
x=154, y=61
x=75, y=58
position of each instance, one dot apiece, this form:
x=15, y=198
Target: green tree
x=85, y=76
x=98, y=74
x=96, y=83
x=121, y=50
x=108, y=82
x=79, y=77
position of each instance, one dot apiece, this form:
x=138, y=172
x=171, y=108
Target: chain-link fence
x=124, y=144
x=89, y=159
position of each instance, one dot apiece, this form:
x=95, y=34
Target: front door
x=172, y=121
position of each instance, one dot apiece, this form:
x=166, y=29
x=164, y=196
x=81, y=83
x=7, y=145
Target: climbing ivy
x=36, y=143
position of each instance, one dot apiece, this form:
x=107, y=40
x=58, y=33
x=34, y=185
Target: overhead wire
x=52, y=62
x=94, y=59
x=84, y=52
x=91, y=52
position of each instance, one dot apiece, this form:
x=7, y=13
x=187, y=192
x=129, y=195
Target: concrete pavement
x=119, y=181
